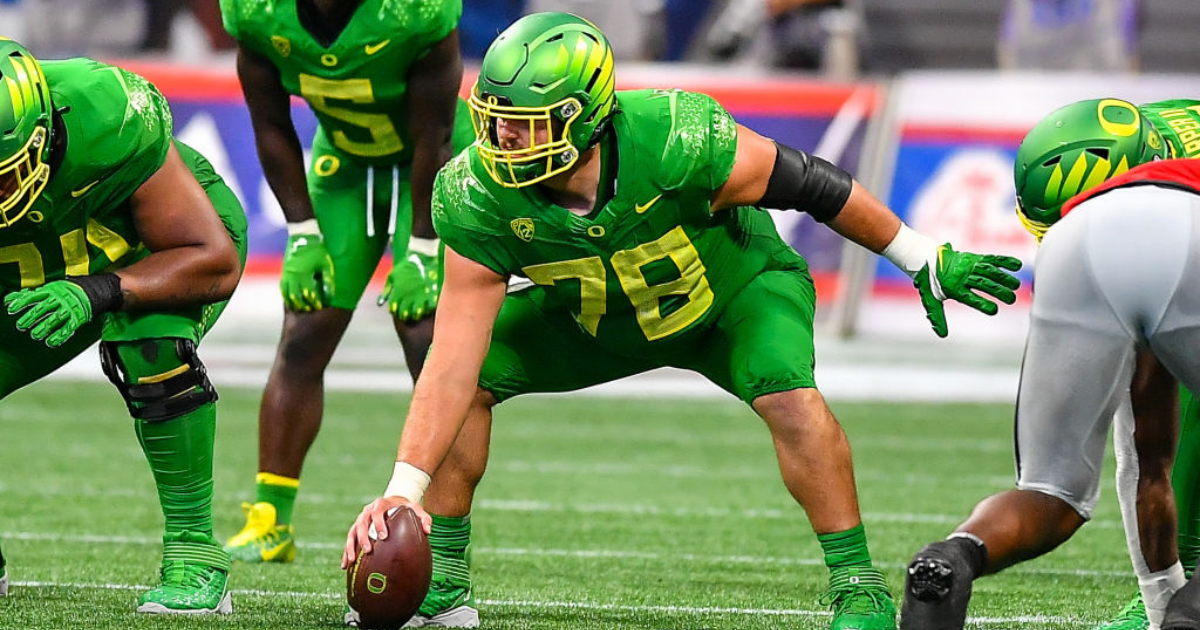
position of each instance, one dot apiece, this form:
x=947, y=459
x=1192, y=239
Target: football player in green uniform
x=112, y=231
x=634, y=213
x=1087, y=138
x=375, y=153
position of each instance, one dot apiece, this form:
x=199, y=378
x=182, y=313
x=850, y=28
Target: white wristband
x=425, y=246
x=910, y=250
x=307, y=227
x=408, y=481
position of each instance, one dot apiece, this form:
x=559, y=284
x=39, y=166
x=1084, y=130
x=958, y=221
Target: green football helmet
x=25, y=113
x=554, y=73
x=1076, y=148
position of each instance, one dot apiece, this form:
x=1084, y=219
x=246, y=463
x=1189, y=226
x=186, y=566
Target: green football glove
x=967, y=278
x=412, y=287
x=52, y=312
x=307, y=279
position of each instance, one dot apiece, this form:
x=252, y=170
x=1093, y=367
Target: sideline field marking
x=565, y=553
x=558, y=605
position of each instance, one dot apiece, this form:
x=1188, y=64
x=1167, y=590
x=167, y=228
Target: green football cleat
x=447, y=605
x=1132, y=617
x=262, y=539
x=860, y=600
x=194, y=579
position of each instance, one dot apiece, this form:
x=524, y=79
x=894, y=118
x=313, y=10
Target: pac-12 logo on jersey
x=282, y=45
x=523, y=228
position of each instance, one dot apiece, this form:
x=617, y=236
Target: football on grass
x=385, y=587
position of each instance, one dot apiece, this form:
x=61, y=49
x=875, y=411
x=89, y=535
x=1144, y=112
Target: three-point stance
x=633, y=213
x=1115, y=321
x=112, y=231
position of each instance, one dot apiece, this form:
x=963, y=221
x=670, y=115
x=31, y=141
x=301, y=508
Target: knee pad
x=159, y=379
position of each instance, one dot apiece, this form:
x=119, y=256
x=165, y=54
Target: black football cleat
x=1183, y=611
x=937, y=588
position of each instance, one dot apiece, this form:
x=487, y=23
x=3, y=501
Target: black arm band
x=806, y=183
x=103, y=291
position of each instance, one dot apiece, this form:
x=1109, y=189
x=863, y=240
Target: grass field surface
x=594, y=513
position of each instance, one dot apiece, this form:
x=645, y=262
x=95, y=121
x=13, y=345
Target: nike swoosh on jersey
x=83, y=191
x=372, y=49
x=642, y=207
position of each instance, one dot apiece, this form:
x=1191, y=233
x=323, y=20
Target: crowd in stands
x=827, y=36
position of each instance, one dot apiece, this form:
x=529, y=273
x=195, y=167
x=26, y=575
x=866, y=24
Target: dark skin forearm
x=433, y=83
x=193, y=260
x=279, y=149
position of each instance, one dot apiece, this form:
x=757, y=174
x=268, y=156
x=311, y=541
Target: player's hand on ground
x=967, y=278
x=412, y=288
x=307, y=280
x=373, y=518
x=51, y=312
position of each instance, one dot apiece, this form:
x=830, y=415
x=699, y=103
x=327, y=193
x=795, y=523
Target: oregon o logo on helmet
x=1116, y=127
x=376, y=582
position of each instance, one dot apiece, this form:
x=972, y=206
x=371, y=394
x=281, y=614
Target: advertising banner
x=954, y=136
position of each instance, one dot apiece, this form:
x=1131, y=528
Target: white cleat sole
x=223, y=608
x=4, y=584
x=461, y=617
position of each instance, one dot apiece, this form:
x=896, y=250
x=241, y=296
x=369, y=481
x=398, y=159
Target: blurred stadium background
x=908, y=95
x=925, y=101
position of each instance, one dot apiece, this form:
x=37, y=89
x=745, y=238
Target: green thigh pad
x=531, y=354
x=762, y=342
x=356, y=232
x=186, y=323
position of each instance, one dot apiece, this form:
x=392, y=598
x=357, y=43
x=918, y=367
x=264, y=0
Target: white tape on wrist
x=307, y=227
x=425, y=246
x=910, y=250
x=408, y=481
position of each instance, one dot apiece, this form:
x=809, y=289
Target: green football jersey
x=118, y=129
x=357, y=85
x=1179, y=123
x=651, y=262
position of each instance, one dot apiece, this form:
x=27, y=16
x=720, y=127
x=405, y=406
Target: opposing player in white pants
x=1116, y=318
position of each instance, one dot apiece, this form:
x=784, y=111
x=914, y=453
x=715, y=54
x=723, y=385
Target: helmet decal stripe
x=1122, y=166
x=594, y=60
x=561, y=60
x=1074, y=177
x=1099, y=173
x=14, y=95
x=36, y=78
x=579, y=56
x=1054, y=185
x=24, y=82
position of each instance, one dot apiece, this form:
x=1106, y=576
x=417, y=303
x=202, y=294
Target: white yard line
x=538, y=506
x=562, y=553
x=560, y=605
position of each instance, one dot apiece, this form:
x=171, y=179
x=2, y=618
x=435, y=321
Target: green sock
x=846, y=549
x=450, y=540
x=278, y=491
x=1185, y=478
x=180, y=452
